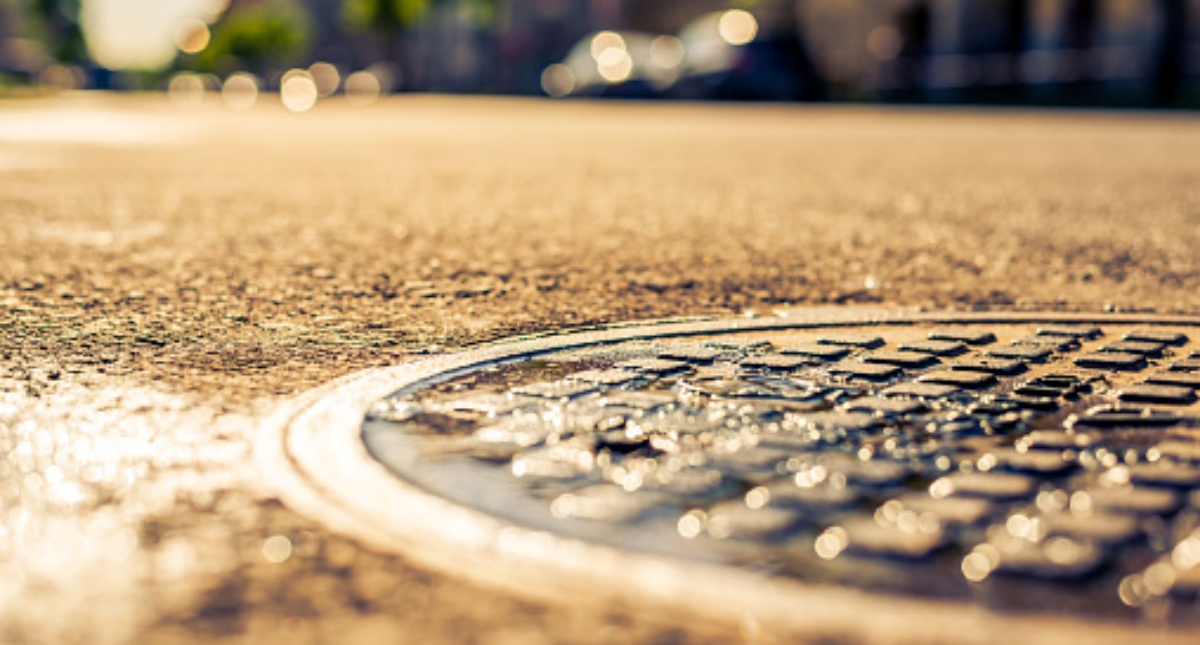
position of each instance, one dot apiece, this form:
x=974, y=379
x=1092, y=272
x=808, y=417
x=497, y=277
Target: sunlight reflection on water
x=83, y=473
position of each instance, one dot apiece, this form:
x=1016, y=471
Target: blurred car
x=727, y=58
x=719, y=55
x=616, y=64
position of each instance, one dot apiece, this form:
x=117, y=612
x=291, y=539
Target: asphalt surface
x=170, y=275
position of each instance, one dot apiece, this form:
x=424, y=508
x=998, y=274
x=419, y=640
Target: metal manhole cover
x=833, y=472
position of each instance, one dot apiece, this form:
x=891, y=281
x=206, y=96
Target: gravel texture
x=169, y=275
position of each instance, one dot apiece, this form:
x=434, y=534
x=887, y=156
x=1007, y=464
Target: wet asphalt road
x=169, y=275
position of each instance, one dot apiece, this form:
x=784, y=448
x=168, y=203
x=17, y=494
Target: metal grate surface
x=1014, y=465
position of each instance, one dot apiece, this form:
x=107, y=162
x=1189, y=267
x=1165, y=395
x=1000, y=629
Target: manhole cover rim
x=312, y=454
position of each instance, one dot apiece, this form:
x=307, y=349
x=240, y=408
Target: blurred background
x=1129, y=53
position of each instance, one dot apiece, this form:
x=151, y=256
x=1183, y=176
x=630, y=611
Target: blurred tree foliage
x=56, y=24
x=388, y=20
x=399, y=15
x=385, y=16
x=256, y=37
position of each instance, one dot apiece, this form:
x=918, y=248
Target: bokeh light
x=831, y=543
x=737, y=27
x=1186, y=554
x=558, y=80
x=980, y=562
x=691, y=524
x=606, y=40
x=60, y=77
x=298, y=91
x=666, y=52
x=363, y=87
x=240, y=92
x=192, y=36
x=186, y=89
x=277, y=549
x=327, y=78
x=614, y=64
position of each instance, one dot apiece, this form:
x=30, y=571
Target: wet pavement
x=1057, y=480
x=169, y=276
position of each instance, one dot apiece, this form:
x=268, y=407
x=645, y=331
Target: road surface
x=169, y=276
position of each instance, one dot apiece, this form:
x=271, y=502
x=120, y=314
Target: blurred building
x=1072, y=51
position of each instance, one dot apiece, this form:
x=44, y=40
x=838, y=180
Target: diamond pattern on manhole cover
x=1013, y=462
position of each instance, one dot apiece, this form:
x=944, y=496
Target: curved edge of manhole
x=311, y=454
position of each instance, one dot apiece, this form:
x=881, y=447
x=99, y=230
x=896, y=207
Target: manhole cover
x=836, y=472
